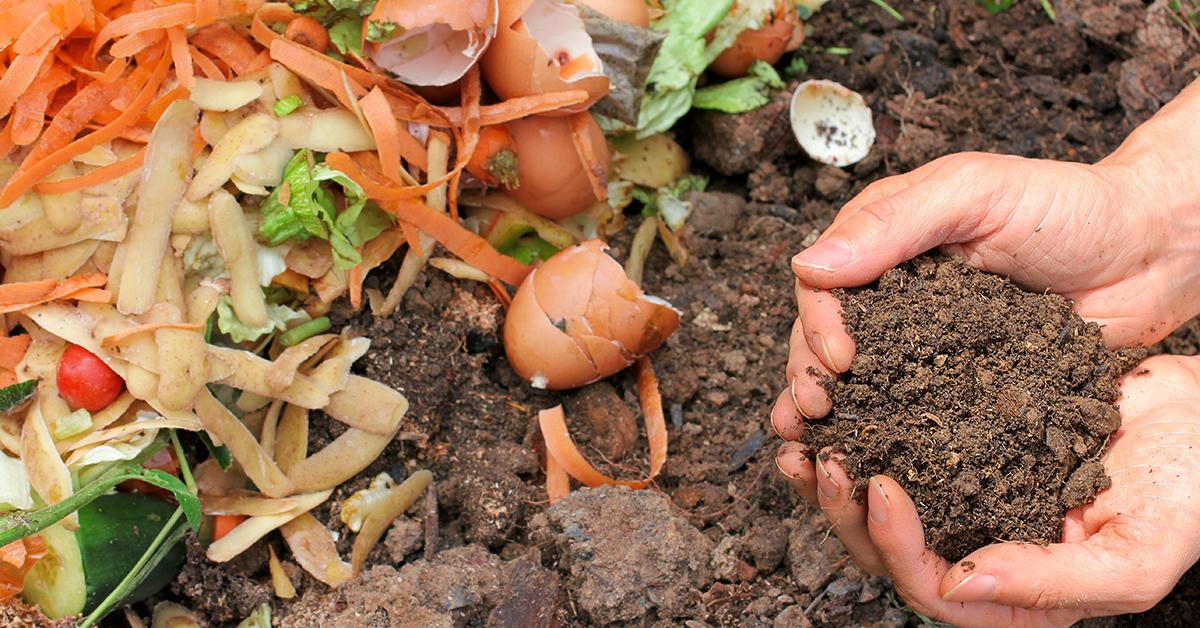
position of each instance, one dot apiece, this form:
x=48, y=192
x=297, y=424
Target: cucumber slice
x=82, y=568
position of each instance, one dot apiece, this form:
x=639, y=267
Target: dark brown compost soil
x=989, y=404
x=951, y=77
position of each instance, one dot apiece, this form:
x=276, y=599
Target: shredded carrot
x=41, y=32
x=597, y=172
x=12, y=350
x=156, y=109
x=136, y=43
x=501, y=293
x=558, y=483
x=207, y=12
x=95, y=177
x=182, y=57
x=19, y=75
x=29, y=114
x=90, y=295
x=375, y=187
x=391, y=140
x=113, y=340
x=142, y=21
x=224, y=524
x=412, y=236
x=29, y=175
x=562, y=449
x=356, y=286
x=206, y=65
x=17, y=296
x=516, y=108
x=16, y=559
x=316, y=67
x=228, y=45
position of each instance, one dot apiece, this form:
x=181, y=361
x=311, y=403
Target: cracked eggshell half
x=434, y=42
x=832, y=123
x=635, y=12
x=542, y=47
x=578, y=318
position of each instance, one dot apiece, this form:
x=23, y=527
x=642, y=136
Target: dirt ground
x=719, y=540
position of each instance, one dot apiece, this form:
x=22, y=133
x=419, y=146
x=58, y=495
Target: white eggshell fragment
x=832, y=123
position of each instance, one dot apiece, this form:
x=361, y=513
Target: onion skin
x=551, y=175
x=578, y=319
x=629, y=11
x=764, y=44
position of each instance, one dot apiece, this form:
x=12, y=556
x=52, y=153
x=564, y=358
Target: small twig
x=1049, y=9
x=887, y=8
x=431, y=522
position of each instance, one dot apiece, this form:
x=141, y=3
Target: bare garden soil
x=719, y=540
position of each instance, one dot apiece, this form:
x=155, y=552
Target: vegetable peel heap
x=578, y=319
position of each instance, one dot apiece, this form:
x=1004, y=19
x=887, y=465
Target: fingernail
x=823, y=348
x=826, y=255
x=976, y=588
x=789, y=449
x=830, y=488
x=878, y=504
x=795, y=399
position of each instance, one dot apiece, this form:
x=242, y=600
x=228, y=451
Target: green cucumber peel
x=170, y=534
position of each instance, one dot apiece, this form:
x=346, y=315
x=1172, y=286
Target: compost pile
x=989, y=404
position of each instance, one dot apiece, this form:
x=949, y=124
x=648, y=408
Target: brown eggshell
x=767, y=44
x=436, y=41
x=516, y=64
x=553, y=182
x=578, y=318
x=634, y=12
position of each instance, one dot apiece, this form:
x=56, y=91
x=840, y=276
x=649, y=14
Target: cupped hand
x=1120, y=554
x=1126, y=253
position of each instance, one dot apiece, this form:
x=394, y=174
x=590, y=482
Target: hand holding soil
x=1117, y=238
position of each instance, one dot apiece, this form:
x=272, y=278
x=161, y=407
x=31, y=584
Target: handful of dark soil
x=989, y=404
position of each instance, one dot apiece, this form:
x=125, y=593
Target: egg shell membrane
x=441, y=39
x=519, y=60
x=535, y=346
x=460, y=15
x=553, y=182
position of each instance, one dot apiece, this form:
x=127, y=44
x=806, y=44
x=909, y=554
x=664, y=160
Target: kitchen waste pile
x=189, y=185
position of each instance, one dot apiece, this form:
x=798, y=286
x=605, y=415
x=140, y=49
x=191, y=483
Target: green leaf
x=219, y=452
x=528, y=248
x=362, y=7
x=995, y=6
x=188, y=500
x=380, y=30
x=741, y=95
x=796, y=67
x=346, y=35
x=287, y=105
x=16, y=394
x=278, y=319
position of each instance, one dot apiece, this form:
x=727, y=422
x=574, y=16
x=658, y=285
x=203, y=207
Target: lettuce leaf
x=15, y=491
x=309, y=211
x=280, y=316
x=741, y=95
x=681, y=60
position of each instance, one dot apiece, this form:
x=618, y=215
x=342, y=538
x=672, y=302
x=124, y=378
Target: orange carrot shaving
x=136, y=43
x=516, y=108
x=597, y=172
x=95, y=177
x=316, y=67
x=562, y=449
x=558, y=483
x=156, y=109
x=228, y=45
x=37, y=35
x=392, y=140
x=142, y=21
x=376, y=187
x=29, y=114
x=20, y=75
x=16, y=559
x=206, y=65
x=356, y=286
x=15, y=297
x=12, y=350
x=207, y=12
x=29, y=175
x=90, y=295
x=113, y=340
x=501, y=293
x=224, y=524
x=412, y=237
x=182, y=57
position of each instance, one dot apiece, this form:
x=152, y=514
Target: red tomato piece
x=85, y=381
x=163, y=460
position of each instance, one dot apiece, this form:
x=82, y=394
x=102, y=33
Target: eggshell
x=535, y=38
x=553, y=182
x=767, y=44
x=436, y=41
x=578, y=318
x=832, y=123
x=634, y=12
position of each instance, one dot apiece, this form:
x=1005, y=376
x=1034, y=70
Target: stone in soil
x=626, y=553
x=736, y=144
x=989, y=404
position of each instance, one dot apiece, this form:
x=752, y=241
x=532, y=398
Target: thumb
x=1098, y=573
x=881, y=234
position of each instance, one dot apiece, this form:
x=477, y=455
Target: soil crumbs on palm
x=989, y=404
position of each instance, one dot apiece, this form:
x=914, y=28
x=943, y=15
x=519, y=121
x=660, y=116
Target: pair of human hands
x=1128, y=255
